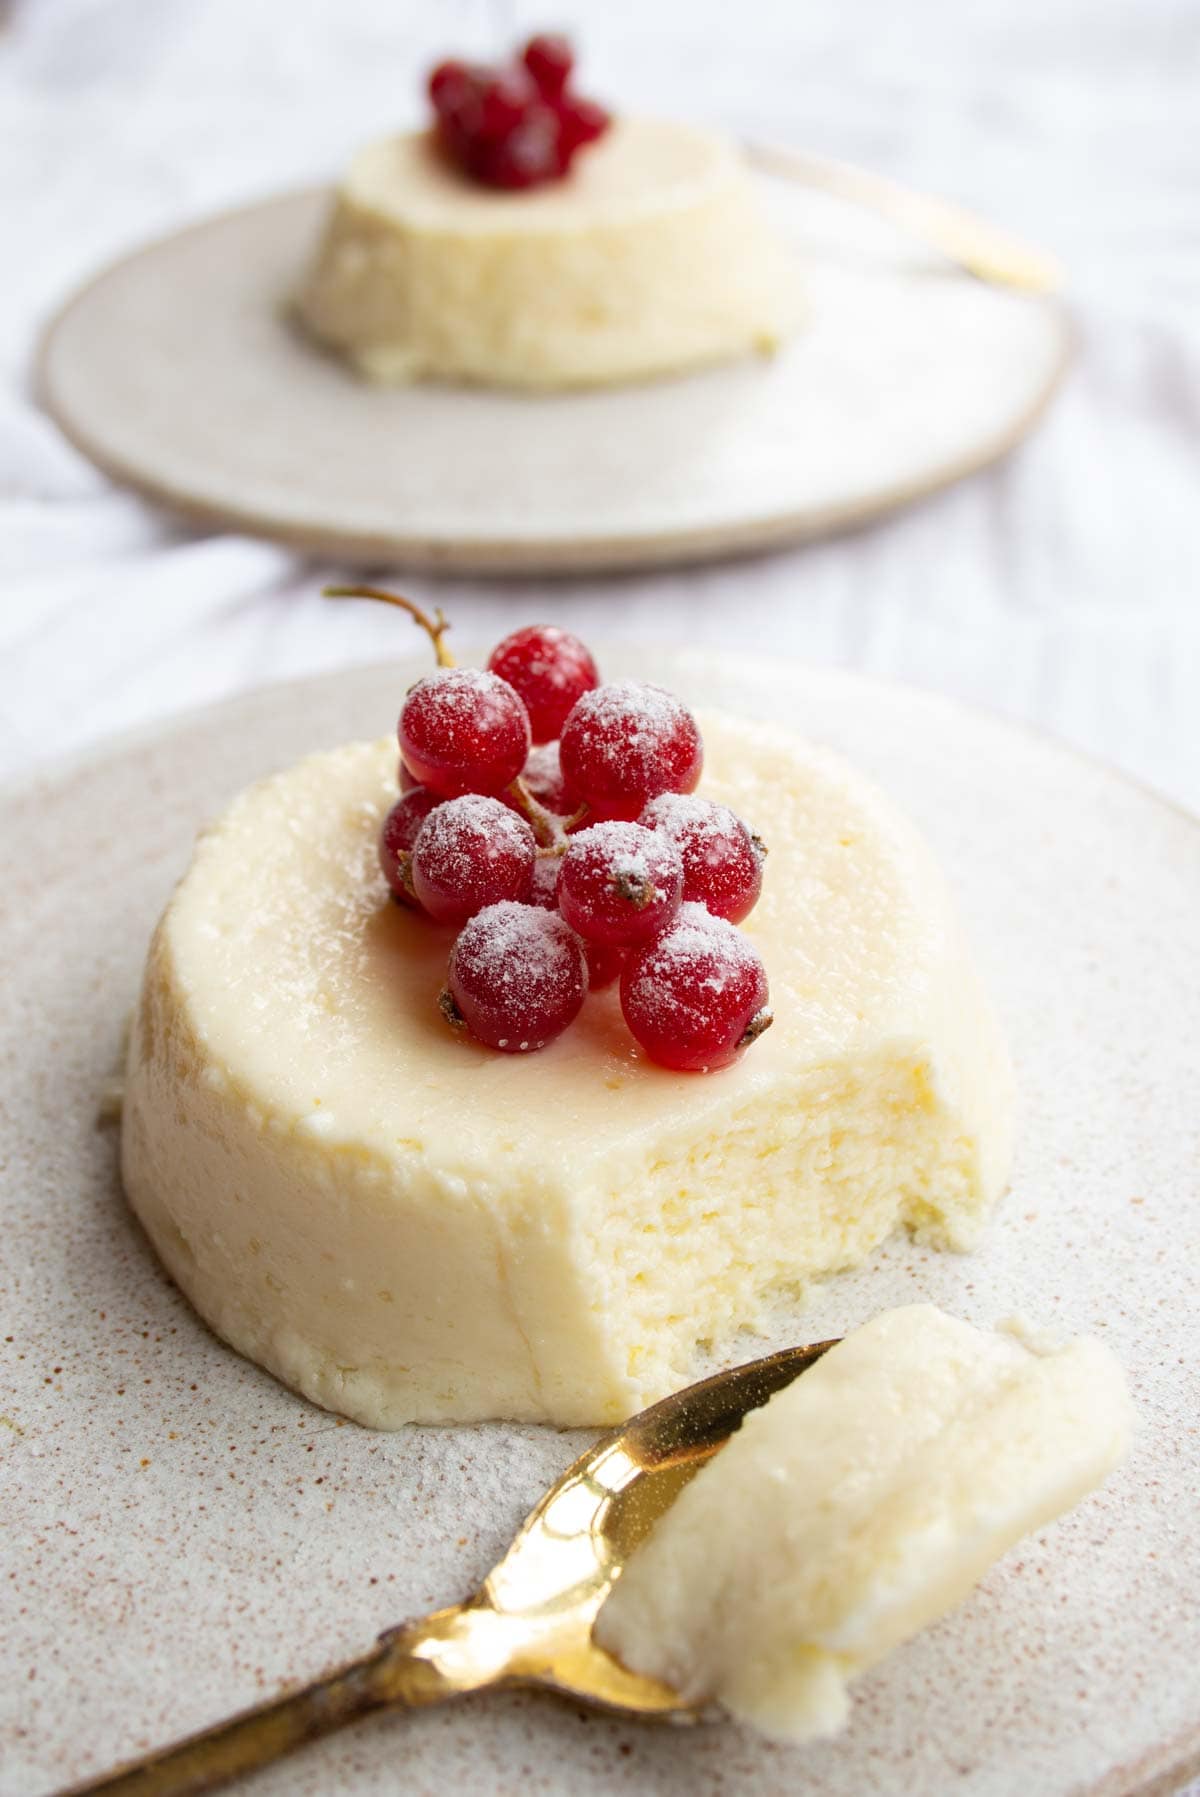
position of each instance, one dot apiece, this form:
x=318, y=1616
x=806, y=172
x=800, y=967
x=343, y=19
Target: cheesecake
x=405, y=1226
x=860, y=1503
x=650, y=257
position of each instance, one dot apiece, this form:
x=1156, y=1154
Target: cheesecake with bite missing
x=405, y=1226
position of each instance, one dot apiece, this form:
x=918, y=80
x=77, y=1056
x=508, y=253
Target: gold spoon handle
x=984, y=250
x=392, y=1674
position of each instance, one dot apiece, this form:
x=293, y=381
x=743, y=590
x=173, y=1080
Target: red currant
x=697, y=995
x=471, y=852
x=722, y=861
x=581, y=122
x=462, y=730
x=543, y=776
x=401, y=828
x=619, y=883
x=517, y=977
x=528, y=155
x=503, y=100
x=624, y=744
x=448, y=84
x=549, y=60
x=604, y=963
x=550, y=669
x=544, y=890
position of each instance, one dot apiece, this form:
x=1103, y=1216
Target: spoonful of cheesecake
x=845, y=1510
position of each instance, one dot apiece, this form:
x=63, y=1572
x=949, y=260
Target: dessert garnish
x=553, y=817
x=515, y=125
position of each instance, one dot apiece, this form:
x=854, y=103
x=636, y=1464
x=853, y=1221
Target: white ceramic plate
x=182, y=1534
x=178, y=372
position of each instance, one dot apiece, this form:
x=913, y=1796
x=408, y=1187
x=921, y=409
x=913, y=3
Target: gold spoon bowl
x=530, y=1623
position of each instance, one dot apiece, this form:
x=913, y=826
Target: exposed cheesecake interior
x=406, y=1226
x=856, y=1506
x=650, y=257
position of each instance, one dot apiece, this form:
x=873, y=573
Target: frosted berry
x=604, y=963
x=625, y=743
x=543, y=776
x=471, y=852
x=619, y=883
x=722, y=860
x=550, y=669
x=400, y=829
x=462, y=730
x=517, y=977
x=697, y=995
x=549, y=60
x=544, y=888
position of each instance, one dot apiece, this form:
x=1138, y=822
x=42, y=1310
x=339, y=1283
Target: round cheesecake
x=406, y=1226
x=651, y=256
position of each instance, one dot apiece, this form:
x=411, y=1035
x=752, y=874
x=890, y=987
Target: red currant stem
x=435, y=627
x=545, y=826
x=575, y=819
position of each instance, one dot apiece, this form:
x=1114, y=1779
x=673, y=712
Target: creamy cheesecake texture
x=404, y=1225
x=652, y=256
x=859, y=1504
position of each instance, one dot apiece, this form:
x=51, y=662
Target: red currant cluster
x=554, y=821
x=518, y=125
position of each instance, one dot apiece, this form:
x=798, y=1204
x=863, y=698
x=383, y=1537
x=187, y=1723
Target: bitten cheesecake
x=856, y=1506
x=406, y=1226
x=652, y=256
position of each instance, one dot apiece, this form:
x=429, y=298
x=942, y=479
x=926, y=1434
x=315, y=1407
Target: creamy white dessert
x=406, y=1226
x=650, y=257
x=860, y=1503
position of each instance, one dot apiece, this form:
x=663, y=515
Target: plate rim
x=510, y=557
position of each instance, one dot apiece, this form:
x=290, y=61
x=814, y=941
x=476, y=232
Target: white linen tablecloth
x=1060, y=588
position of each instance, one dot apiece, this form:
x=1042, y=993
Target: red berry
x=697, y=995
x=401, y=828
x=471, y=852
x=531, y=153
x=503, y=100
x=624, y=744
x=517, y=977
x=604, y=964
x=550, y=669
x=462, y=730
x=620, y=884
x=407, y=783
x=722, y=861
x=544, y=890
x=448, y=84
x=549, y=60
x=543, y=776
x=581, y=122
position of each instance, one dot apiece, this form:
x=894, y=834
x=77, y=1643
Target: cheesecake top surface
x=639, y=163
x=317, y=996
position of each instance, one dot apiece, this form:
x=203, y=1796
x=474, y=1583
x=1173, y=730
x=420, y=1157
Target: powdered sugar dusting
x=519, y=975
x=621, y=847
x=457, y=691
x=465, y=831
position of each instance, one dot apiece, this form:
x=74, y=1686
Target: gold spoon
x=531, y=1621
x=982, y=249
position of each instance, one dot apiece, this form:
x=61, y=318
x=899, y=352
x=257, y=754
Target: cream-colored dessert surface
x=640, y=162
x=320, y=961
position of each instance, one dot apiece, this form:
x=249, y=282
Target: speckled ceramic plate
x=179, y=373
x=181, y=1534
